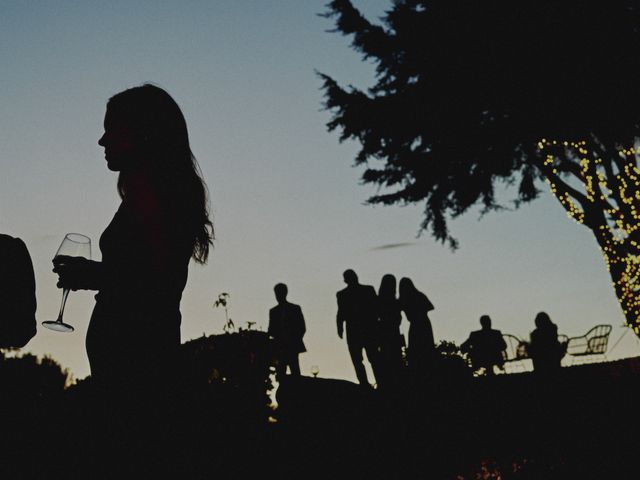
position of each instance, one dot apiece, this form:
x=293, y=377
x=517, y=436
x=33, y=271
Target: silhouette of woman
x=389, y=337
x=133, y=337
x=416, y=307
x=545, y=349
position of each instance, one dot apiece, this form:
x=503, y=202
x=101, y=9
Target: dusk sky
x=287, y=203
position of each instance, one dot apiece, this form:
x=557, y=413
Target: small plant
x=223, y=301
x=453, y=363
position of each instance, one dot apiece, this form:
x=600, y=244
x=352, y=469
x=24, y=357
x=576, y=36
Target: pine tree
x=471, y=94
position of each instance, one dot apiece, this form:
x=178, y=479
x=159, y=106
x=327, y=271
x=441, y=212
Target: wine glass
x=73, y=245
x=315, y=370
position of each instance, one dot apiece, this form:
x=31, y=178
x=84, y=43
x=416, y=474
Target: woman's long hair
x=163, y=139
x=543, y=320
x=407, y=290
x=387, y=290
x=412, y=298
x=389, y=306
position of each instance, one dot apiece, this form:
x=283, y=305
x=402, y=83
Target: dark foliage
x=27, y=374
x=234, y=367
x=465, y=90
x=31, y=389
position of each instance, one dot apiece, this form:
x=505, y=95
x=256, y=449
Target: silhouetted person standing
x=357, y=309
x=389, y=338
x=485, y=347
x=17, y=293
x=287, y=327
x=162, y=222
x=133, y=338
x=416, y=307
x=545, y=349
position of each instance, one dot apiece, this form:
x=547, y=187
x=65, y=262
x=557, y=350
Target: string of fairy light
x=610, y=186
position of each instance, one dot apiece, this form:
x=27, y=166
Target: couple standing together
x=373, y=325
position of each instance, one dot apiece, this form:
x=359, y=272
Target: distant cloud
x=393, y=245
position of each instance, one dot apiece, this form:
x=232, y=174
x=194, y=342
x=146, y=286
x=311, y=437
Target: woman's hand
x=76, y=273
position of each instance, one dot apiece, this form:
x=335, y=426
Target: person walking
x=357, y=310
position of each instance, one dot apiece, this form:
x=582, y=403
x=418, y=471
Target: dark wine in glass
x=73, y=245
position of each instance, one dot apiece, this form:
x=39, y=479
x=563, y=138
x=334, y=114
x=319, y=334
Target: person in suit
x=287, y=328
x=485, y=347
x=357, y=309
x=17, y=294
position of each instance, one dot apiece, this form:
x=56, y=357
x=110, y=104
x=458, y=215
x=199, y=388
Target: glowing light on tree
x=600, y=189
x=459, y=106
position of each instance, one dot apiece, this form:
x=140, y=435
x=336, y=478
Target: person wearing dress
x=162, y=222
x=390, y=340
x=416, y=307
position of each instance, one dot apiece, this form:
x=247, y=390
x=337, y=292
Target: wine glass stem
x=65, y=294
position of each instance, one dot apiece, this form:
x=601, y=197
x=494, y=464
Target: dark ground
x=581, y=424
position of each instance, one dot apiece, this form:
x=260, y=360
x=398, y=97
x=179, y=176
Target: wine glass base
x=57, y=326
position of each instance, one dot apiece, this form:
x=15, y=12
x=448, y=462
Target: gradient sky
x=287, y=204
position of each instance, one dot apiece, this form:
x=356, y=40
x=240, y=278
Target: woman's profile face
x=119, y=142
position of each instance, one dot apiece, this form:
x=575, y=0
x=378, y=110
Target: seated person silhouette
x=17, y=294
x=545, y=349
x=485, y=347
x=286, y=327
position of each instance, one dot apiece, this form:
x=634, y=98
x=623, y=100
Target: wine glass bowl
x=73, y=245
